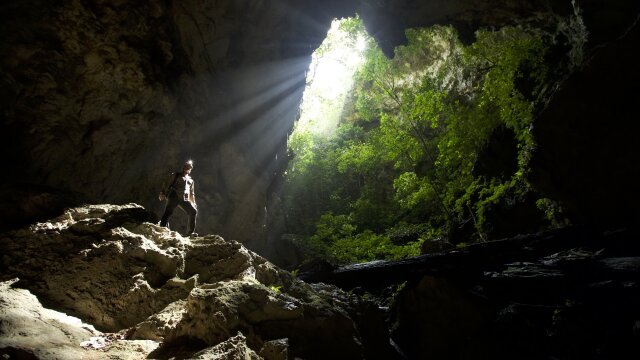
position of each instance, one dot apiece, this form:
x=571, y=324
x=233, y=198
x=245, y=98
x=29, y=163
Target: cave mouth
x=330, y=76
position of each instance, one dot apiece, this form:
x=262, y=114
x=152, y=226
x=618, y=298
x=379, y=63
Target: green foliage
x=411, y=190
x=337, y=240
x=352, y=27
x=294, y=272
x=404, y=153
x=332, y=228
x=553, y=212
x=368, y=246
x=492, y=193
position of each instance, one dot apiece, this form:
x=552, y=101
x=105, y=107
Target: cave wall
x=587, y=151
x=102, y=100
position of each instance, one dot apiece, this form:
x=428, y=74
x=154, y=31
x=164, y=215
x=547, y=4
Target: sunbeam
x=330, y=78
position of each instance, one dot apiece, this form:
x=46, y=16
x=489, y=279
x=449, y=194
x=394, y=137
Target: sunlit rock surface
x=150, y=291
x=30, y=331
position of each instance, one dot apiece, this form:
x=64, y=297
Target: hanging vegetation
x=404, y=165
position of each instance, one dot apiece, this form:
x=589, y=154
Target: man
x=181, y=193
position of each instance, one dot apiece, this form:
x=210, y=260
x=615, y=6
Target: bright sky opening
x=330, y=78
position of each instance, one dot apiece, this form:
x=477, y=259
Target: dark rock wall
x=587, y=151
x=105, y=98
x=569, y=293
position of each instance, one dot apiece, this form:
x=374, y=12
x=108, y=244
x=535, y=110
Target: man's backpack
x=164, y=194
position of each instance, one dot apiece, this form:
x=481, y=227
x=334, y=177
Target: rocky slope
x=101, y=282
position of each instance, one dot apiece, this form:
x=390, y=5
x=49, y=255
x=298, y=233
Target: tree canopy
x=399, y=170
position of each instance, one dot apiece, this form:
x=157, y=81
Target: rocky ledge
x=570, y=293
x=103, y=282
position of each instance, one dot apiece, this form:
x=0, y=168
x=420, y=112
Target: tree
x=404, y=152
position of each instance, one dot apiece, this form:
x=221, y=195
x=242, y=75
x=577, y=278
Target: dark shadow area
x=179, y=348
x=17, y=354
x=23, y=204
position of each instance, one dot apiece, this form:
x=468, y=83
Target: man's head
x=187, y=167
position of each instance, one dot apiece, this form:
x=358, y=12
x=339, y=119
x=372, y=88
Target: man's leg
x=193, y=213
x=171, y=205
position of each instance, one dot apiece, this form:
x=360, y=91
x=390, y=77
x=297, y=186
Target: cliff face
x=102, y=100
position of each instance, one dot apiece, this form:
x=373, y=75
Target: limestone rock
x=157, y=326
x=234, y=348
x=100, y=263
x=215, y=259
x=170, y=296
x=275, y=349
x=27, y=326
x=29, y=330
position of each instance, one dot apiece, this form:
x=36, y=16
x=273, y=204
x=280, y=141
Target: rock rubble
x=149, y=292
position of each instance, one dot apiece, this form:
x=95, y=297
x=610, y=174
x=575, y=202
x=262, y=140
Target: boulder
x=31, y=331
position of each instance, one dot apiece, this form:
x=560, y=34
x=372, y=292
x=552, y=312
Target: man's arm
x=192, y=194
x=164, y=192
